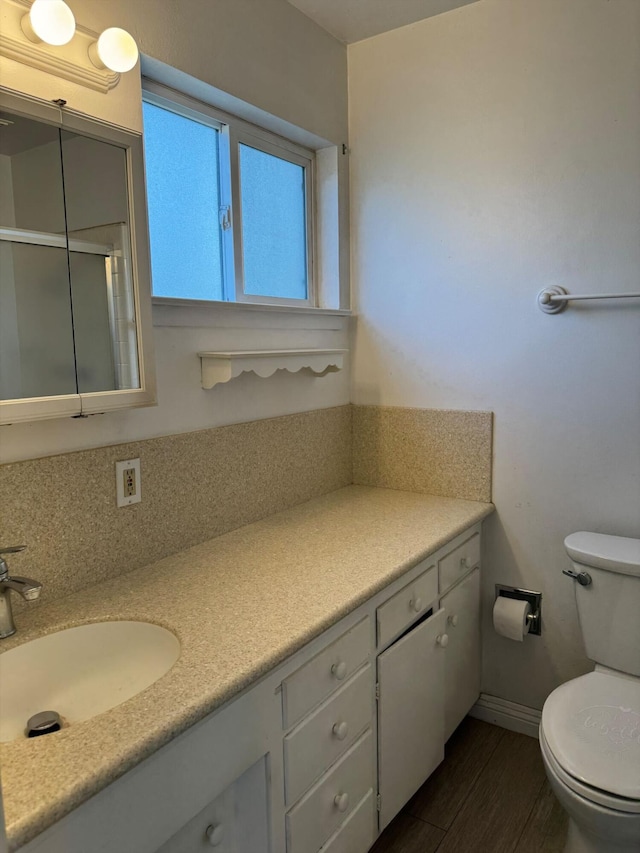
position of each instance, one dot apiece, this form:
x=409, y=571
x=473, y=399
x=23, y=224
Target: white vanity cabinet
x=325, y=672
x=459, y=579
x=457, y=563
x=410, y=713
x=463, y=652
x=429, y=678
x=319, y=754
x=237, y=821
x=324, y=809
x=329, y=755
x=402, y=609
x=224, y=773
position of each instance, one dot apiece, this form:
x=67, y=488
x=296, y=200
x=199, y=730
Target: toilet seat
x=590, y=731
x=586, y=792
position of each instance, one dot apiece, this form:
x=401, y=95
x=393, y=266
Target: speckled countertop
x=240, y=604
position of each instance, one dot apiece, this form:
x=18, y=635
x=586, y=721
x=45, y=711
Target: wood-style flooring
x=489, y=795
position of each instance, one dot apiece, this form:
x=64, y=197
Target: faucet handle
x=12, y=549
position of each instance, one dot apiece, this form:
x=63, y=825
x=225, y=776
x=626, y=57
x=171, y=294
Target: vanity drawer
x=405, y=606
x=321, y=811
x=324, y=673
x=459, y=562
x=357, y=833
x=328, y=732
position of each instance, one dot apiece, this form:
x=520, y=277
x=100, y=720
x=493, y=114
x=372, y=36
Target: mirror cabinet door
x=68, y=323
x=36, y=322
x=100, y=264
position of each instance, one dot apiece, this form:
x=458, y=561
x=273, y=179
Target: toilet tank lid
x=616, y=553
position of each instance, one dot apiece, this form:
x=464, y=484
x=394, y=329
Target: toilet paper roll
x=510, y=617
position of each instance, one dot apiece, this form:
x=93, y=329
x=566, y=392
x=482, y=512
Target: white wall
x=495, y=150
x=264, y=52
x=272, y=57
x=182, y=403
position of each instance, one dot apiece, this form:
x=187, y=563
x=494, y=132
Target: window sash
x=306, y=163
x=234, y=132
x=182, y=105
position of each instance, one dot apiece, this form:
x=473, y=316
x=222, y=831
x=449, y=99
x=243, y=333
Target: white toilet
x=590, y=727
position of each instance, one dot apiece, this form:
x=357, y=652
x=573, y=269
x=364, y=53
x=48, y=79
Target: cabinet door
x=463, y=654
x=410, y=713
x=235, y=822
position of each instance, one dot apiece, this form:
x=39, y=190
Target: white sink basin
x=81, y=672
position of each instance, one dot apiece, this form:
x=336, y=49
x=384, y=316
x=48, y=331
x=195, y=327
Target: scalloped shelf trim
x=220, y=367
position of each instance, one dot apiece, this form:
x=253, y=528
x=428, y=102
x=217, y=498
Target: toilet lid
x=617, y=553
x=592, y=727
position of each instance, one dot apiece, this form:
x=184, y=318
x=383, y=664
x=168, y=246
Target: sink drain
x=43, y=723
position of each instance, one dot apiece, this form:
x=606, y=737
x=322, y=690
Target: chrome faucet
x=28, y=589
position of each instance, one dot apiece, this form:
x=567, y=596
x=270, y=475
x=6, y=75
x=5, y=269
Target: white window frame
x=234, y=132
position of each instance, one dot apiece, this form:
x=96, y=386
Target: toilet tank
x=609, y=607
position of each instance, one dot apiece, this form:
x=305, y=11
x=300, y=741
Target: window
x=183, y=197
x=229, y=206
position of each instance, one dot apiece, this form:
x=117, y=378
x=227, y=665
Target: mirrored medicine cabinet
x=75, y=303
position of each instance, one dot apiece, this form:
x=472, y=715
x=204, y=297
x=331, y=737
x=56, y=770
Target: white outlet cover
x=121, y=467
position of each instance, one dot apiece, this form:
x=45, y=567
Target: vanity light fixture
x=115, y=49
x=44, y=34
x=49, y=21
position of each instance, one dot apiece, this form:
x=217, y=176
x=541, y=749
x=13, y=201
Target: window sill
x=203, y=313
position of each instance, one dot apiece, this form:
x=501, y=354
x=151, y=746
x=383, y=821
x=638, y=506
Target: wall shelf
x=220, y=367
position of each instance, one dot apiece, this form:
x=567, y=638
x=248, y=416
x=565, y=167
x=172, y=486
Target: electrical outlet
x=128, y=482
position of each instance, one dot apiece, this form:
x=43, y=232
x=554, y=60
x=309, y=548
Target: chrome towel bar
x=554, y=299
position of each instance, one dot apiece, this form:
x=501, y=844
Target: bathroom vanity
x=327, y=654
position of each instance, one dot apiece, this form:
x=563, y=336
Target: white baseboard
x=508, y=715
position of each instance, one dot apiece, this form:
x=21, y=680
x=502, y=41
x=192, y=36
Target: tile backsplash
x=198, y=485
x=436, y=451
x=195, y=486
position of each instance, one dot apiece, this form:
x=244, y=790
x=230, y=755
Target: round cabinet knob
x=341, y=802
x=453, y=620
x=339, y=670
x=340, y=730
x=215, y=834
x=416, y=604
x=442, y=640
x=464, y=563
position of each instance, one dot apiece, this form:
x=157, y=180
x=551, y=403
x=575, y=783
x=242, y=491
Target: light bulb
x=115, y=49
x=50, y=21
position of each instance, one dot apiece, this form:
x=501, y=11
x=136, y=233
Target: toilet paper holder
x=534, y=618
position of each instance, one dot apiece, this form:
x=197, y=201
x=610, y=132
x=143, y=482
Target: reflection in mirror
x=96, y=200
x=67, y=309
x=36, y=330
x=36, y=345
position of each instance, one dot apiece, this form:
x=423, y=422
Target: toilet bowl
x=590, y=726
x=590, y=743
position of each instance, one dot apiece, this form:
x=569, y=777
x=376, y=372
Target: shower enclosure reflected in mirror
x=74, y=270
